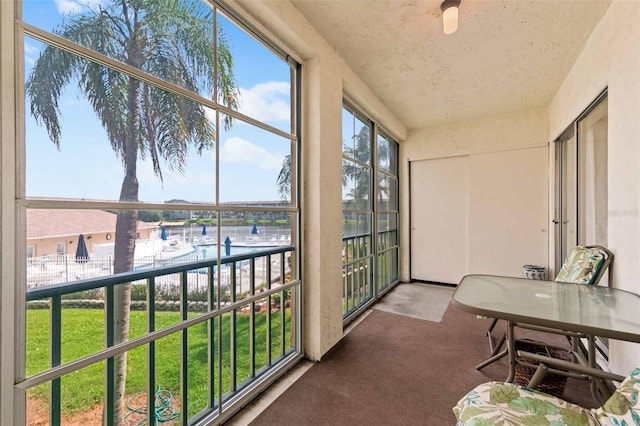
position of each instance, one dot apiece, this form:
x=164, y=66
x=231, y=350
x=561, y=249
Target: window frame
x=375, y=289
x=13, y=408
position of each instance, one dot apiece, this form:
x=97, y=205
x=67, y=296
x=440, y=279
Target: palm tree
x=169, y=39
x=283, y=183
x=355, y=174
x=350, y=171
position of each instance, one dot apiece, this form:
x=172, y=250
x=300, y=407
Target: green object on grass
x=163, y=410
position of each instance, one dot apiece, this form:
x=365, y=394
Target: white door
x=480, y=214
x=439, y=219
x=508, y=211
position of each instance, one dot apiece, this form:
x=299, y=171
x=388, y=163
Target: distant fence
x=50, y=270
x=47, y=270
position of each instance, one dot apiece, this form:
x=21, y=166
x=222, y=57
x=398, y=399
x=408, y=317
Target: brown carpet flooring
x=397, y=370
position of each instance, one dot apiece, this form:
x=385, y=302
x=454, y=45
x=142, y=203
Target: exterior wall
x=326, y=80
x=47, y=246
x=480, y=137
x=611, y=58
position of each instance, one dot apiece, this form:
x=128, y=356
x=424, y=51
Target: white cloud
x=266, y=101
x=70, y=7
x=31, y=53
x=238, y=150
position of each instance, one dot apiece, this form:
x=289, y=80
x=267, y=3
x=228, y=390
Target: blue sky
x=87, y=167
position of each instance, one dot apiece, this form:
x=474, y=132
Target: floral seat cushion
x=581, y=266
x=622, y=408
x=498, y=403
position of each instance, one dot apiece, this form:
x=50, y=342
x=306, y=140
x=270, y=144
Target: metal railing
x=357, y=270
x=268, y=291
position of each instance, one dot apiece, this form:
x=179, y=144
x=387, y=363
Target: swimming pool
x=211, y=251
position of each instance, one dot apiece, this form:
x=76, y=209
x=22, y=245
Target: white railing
x=48, y=270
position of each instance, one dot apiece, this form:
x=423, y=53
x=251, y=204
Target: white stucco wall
x=326, y=79
x=611, y=58
x=523, y=130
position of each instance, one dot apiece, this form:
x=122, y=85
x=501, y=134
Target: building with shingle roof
x=56, y=231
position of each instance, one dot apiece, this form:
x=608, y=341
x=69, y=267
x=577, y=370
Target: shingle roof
x=45, y=223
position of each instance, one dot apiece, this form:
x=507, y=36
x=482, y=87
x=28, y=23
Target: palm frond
x=106, y=91
x=52, y=72
x=171, y=39
x=283, y=182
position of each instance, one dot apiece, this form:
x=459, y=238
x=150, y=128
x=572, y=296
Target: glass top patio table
x=593, y=310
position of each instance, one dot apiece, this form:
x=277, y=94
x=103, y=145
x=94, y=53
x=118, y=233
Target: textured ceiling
x=507, y=55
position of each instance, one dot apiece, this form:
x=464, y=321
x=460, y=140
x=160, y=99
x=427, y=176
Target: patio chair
x=499, y=403
x=583, y=265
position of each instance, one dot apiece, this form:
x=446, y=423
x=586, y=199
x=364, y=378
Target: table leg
x=591, y=359
x=492, y=359
x=599, y=389
x=511, y=349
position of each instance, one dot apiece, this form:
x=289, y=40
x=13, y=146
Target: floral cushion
x=581, y=266
x=622, y=408
x=498, y=403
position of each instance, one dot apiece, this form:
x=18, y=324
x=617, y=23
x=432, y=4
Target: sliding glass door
x=566, y=219
x=581, y=183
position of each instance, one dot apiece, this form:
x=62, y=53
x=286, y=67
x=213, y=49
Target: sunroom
x=198, y=195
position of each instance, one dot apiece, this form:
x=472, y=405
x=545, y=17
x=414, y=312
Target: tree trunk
x=126, y=227
x=125, y=244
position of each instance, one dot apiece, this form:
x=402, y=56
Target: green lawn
x=83, y=334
